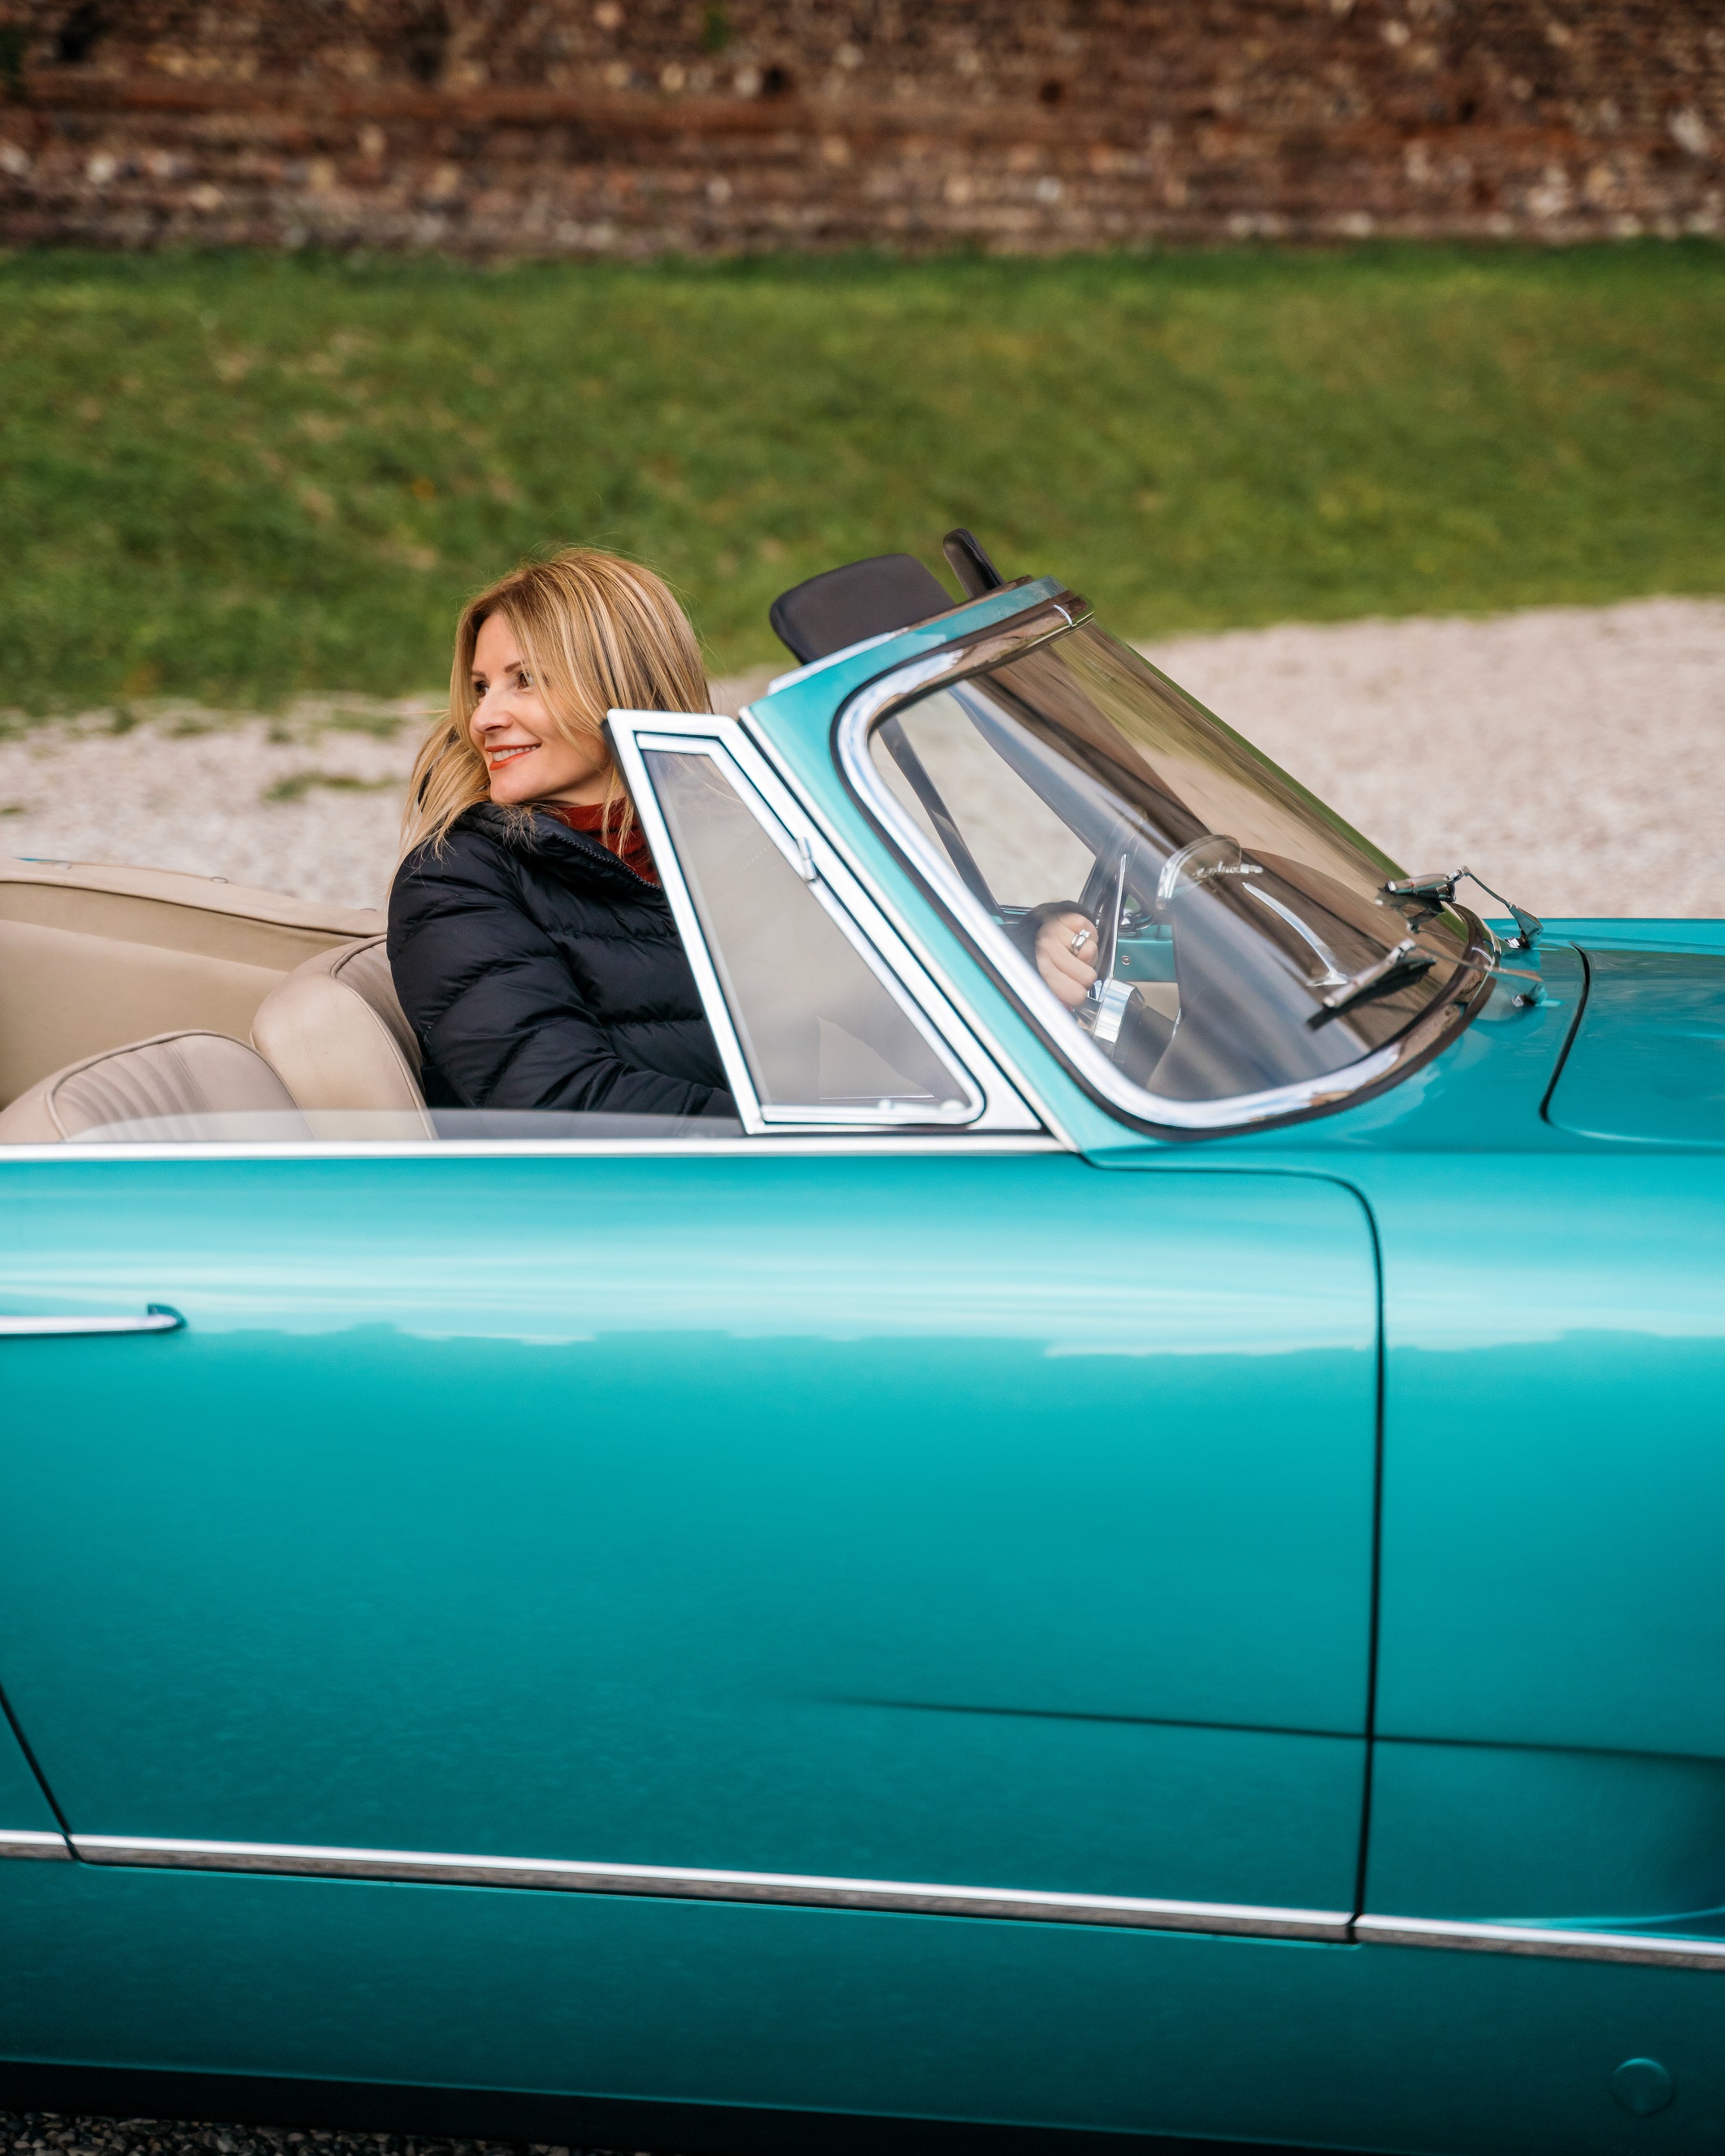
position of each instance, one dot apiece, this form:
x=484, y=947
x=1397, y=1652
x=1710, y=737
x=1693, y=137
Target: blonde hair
x=599, y=634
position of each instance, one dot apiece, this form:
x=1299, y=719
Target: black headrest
x=862, y=599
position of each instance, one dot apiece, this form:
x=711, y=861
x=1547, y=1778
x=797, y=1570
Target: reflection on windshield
x=1243, y=939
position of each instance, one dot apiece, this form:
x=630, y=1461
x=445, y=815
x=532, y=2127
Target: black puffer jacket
x=538, y=972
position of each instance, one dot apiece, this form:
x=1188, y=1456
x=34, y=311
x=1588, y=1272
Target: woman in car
x=531, y=946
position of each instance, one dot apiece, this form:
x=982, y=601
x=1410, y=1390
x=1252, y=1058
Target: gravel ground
x=1564, y=753
x=1569, y=754
x=50, y=2133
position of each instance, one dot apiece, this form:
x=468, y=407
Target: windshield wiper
x=1434, y=891
x=1405, y=962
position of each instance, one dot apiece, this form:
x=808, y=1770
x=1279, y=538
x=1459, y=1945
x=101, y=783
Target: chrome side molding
x=797, y=1889
x=159, y=1319
x=803, y=1890
x=1654, y=1948
x=31, y=1843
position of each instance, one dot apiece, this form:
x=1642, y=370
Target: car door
x=885, y=1507
x=1551, y=1768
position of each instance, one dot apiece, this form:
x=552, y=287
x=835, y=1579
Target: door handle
x=160, y=1319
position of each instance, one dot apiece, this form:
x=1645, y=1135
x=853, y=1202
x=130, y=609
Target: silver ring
x=1080, y=940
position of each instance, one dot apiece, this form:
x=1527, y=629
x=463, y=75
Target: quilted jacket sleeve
x=495, y=1009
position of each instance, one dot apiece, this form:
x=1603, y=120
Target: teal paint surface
x=1614, y=1841
x=1368, y=2048
x=986, y=1520
x=1649, y=1062
x=1554, y=1485
x=1555, y=1452
x=1672, y=934
x=1148, y=957
x=21, y=1803
x=1554, y=1481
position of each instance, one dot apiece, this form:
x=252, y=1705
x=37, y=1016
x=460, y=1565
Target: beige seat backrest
x=176, y=1075
x=337, y=1039
x=94, y=958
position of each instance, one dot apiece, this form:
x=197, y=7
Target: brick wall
x=629, y=126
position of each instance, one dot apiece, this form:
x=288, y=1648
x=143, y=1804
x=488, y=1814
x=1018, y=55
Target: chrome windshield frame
x=853, y=729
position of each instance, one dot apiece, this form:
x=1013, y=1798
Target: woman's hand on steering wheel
x=1065, y=956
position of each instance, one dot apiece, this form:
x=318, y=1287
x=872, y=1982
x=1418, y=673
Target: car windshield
x=1241, y=936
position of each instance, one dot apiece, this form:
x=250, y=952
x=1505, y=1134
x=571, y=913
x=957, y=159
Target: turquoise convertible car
x=1151, y=1568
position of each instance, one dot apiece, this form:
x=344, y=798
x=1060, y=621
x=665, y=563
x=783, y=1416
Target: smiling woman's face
x=527, y=758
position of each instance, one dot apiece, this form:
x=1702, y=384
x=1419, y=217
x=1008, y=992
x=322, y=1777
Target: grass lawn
x=237, y=476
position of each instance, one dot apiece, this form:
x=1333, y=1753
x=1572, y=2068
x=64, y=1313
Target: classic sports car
x=1147, y=1567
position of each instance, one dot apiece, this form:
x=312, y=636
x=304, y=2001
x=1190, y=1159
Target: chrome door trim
x=782, y=1140
x=805, y=1890
x=788, y=1889
x=1650, y=1948
x=1014, y=640
x=994, y=1103
x=34, y=1844
x=160, y=1319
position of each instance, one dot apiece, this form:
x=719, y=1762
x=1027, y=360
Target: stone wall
x=631, y=126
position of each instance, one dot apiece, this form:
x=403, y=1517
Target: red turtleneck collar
x=633, y=855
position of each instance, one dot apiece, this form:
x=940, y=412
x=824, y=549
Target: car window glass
x=1026, y=853
x=820, y=1032
x=1240, y=937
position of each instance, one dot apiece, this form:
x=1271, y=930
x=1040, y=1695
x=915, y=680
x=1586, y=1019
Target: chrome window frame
x=853, y=731
x=991, y=1104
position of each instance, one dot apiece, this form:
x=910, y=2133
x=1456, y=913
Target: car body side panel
x=981, y=1520
x=1648, y=1065
x=1551, y=1734
x=1639, y=932
x=1552, y=1628
x=1617, y=1841
x=23, y=1806
x=1378, y=2048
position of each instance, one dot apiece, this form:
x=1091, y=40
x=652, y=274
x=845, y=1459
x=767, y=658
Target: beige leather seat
x=337, y=1039
x=328, y=1041
x=174, y=1077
